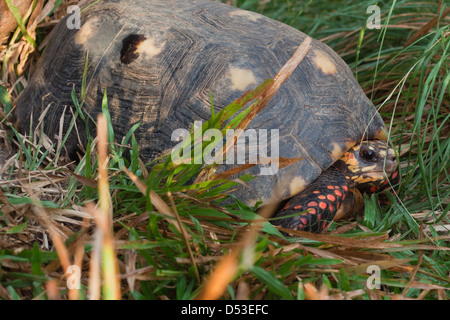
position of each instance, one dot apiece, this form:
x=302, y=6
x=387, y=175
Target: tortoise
x=160, y=60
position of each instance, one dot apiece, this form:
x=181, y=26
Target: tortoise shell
x=159, y=61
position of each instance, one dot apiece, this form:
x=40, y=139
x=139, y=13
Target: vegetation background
x=177, y=245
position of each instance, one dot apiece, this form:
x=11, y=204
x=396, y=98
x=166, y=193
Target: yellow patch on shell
x=338, y=150
x=149, y=49
x=86, y=31
x=380, y=135
x=324, y=62
x=241, y=78
x=297, y=185
x=245, y=14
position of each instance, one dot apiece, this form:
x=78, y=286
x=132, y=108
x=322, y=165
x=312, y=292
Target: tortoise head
x=369, y=163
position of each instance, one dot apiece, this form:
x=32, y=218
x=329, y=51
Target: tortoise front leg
x=317, y=205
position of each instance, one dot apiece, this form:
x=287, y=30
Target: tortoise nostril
x=390, y=157
x=390, y=164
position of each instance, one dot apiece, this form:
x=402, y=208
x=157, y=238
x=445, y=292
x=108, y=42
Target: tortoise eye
x=368, y=154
